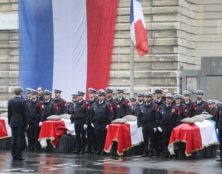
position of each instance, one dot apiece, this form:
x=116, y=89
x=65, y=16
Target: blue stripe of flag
x=36, y=43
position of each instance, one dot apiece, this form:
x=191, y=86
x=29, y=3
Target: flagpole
x=132, y=70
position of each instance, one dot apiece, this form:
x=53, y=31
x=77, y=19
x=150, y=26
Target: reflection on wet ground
x=92, y=164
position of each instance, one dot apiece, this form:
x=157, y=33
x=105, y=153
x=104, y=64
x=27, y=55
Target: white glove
x=85, y=126
x=107, y=126
x=154, y=129
x=160, y=129
x=92, y=125
x=40, y=124
x=217, y=131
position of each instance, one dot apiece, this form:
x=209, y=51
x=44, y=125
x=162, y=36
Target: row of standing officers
x=157, y=115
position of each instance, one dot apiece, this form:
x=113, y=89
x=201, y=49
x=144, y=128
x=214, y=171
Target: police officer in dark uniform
x=212, y=110
x=71, y=105
x=90, y=130
x=61, y=103
x=40, y=93
x=187, y=104
x=199, y=105
x=139, y=104
x=29, y=95
x=102, y=115
x=158, y=136
x=158, y=97
x=133, y=105
x=18, y=121
x=109, y=96
x=34, y=116
x=48, y=106
x=122, y=106
x=80, y=117
x=166, y=122
x=219, y=128
x=178, y=110
x=146, y=118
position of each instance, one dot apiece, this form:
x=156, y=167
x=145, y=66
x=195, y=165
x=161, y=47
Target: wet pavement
x=56, y=163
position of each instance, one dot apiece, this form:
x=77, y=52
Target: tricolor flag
x=66, y=44
x=138, y=30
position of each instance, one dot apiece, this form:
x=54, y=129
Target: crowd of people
x=157, y=113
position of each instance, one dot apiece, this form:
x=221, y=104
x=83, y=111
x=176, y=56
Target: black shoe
x=150, y=155
x=82, y=152
x=88, y=151
x=18, y=159
x=145, y=155
x=219, y=160
x=102, y=153
x=77, y=151
x=98, y=152
x=166, y=156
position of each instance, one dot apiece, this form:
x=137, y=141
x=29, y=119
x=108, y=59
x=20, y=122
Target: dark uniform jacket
x=35, y=109
x=80, y=112
x=17, y=112
x=48, y=109
x=121, y=108
x=61, y=103
x=219, y=118
x=188, y=109
x=198, y=108
x=166, y=119
x=214, y=112
x=178, y=114
x=147, y=114
x=102, y=114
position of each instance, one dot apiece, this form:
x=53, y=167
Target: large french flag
x=66, y=44
x=138, y=30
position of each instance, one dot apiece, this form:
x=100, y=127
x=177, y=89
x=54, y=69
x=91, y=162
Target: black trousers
x=100, y=139
x=17, y=141
x=158, y=142
x=91, y=138
x=220, y=141
x=166, y=138
x=33, y=134
x=148, y=135
x=80, y=136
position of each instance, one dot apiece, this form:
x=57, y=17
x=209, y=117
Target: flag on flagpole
x=138, y=30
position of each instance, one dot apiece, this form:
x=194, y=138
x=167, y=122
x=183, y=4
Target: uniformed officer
x=29, y=94
x=139, y=103
x=109, y=96
x=102, y=115
x=219, y=128
x=212, y=109
x=40, y=93
x=133, y=105
x=90, y=130
x=18, y=121
x=158, y=97
x=187, y=104
x=158, y=136
x=166, y=122
x=34, y=116
x=122, y=106
x=178, y=109
x=61, y=103
x=48, y=106
x=199, y=105
x=71, y=105
x=146, y=118
x=80, y=117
